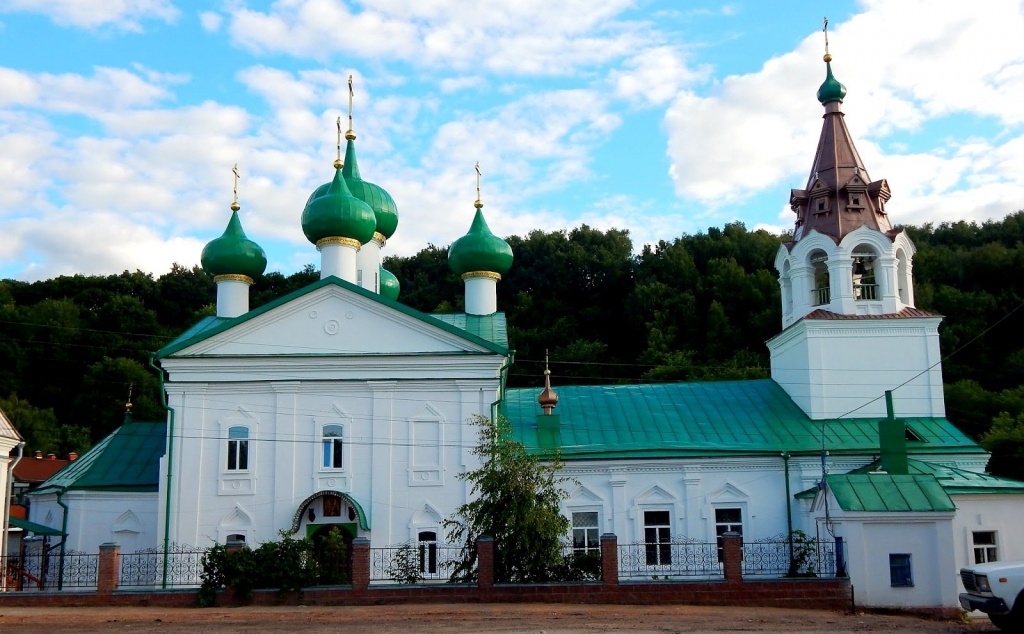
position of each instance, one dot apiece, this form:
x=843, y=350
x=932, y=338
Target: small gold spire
x=548, y=398
x=824, y=29
x=128, y=405
x=337, y=162
x=234, y=203
x=351, y=133
x=479, y=203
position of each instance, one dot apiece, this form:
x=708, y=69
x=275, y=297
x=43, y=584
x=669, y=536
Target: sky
x=120, y=120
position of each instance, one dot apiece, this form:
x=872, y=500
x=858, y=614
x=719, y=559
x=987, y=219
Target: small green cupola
x=233, y=253
x=831, y=90
x=389, y=286
x=384, y=209
x=480, y=250
x=333, y=212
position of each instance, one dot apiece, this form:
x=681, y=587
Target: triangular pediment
x=728, y=492
x=332, y=318
x=655, y=495
x=583, y=495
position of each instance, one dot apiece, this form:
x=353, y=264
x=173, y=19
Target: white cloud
x=210, y=21
x=756, y=130
x=455, y=84
x=125, y=15
x=656, y=75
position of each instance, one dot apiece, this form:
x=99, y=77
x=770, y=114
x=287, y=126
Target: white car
x=996, y=589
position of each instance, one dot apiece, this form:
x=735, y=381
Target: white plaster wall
x=93, y=517
x=833, y=368
x=1003, y=514
x=927, y=538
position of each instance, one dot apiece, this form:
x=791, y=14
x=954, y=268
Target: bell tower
x=850, y=326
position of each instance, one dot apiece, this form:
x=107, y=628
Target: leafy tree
x=37, y=426
x=1006, y=442
x=517, y=505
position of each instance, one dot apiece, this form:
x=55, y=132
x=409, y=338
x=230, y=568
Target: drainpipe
x=502, y=380
x=6, y=513
x=170, y=468
x=63, y=537
x=789, y=510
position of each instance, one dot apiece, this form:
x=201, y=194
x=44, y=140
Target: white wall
x=98, y=517
x=1003, y=514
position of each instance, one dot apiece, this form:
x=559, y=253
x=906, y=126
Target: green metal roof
x=882, y=492
x=490, y=325
x=32, y=527
x=126, y=460
x=704, y=419
x=953, y=480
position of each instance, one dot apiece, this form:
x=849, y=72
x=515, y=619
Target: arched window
x=427, y=551
x=820, y=292
x=865, y=283
x=332, y=447
x=903, y=280
x=238, y=448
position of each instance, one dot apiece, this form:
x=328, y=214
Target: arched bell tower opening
x=821, y=290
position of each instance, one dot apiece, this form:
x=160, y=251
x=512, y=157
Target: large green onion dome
x=333, y=212
x=380, y=201
x=389, y=285
x=480, y=250
x=830, y=90
x=233, y=253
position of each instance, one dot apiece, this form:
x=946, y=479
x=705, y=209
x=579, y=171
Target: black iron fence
x=146, y=568
x=410, y=563
x=50, y=571
x=681, y=558
x=781, y=556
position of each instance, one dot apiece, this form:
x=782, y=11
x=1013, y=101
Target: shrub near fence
x=771, y=557
x=414, y=562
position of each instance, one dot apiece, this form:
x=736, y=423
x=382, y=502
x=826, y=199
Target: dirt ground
x=496, y=618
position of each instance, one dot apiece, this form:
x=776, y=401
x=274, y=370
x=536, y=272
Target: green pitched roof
x=210, y=326
x=705, y=419
x=953, y=480
x=881, y=492
x=126, y=460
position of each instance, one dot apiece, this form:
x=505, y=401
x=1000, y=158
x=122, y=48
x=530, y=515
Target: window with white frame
x=984, y=547
x=658, y=538
x=238, y=448
x=727, y=520
x=333, y=444
x=584, y=533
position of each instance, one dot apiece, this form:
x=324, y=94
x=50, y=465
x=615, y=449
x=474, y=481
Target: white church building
x=339, y=408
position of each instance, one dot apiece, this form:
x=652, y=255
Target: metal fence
x=48, y=571
x=773, y=557
x=406, y=563
x=145, y=569
x=678, y=559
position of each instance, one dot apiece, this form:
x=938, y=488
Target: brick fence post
x=485, y=562
x=109, y=569
x=360, y=563
x=732, y=554
x=610, y=559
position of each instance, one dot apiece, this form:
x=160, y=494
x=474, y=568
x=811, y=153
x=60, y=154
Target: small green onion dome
x=389, y=285
x=233, y=253
x=333, y=212
x=380, y=201
x=480, y=250
x=831, y=90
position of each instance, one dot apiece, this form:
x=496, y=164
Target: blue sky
x=120, y=119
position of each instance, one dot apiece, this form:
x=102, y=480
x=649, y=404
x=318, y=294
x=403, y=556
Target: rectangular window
x=900, y=575
x=985, y=547
x=727, y=521
x=428, y=551
x=658, y=538
x=238, y=448
x=332, y=445
x=584, y=533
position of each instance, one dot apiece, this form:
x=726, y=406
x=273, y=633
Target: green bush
x=287, y=566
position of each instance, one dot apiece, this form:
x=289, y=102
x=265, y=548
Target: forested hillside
x=699, y=307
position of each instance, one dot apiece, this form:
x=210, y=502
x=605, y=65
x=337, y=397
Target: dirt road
x=495, y=618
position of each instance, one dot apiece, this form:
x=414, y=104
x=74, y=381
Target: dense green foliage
x=515, y=503
x=287, y=566
x=698, y=307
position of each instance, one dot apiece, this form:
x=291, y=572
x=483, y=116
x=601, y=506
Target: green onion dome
x=380, y=201
x=389, y=286
x=480, y=250
x=233, y=253
x=333, y=212
x=830, y=90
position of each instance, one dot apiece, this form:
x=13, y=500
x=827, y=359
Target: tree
x=1006, y=442
x=517, y=505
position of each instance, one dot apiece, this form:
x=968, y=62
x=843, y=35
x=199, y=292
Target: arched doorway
x=332, y=548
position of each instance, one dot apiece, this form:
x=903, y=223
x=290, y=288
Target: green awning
x=32, y=527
